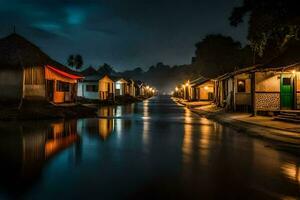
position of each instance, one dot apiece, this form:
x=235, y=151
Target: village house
x=106, y=88
x=88, y=87
x=139, y=88
x=269, y=88
x=121, y=87
x=96, y=86
x=277, y=83
x=233, y=90
x=202, y=89
x=26, y=72
x=131, y=87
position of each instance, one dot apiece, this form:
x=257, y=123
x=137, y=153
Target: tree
x=75, y=61
x=272, y=23
x=218, y=54
x=78, y=61
x=71, y=61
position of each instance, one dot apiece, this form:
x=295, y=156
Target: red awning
x=72, y=76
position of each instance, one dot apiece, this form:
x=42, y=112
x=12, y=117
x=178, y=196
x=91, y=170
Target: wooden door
x=286, y=91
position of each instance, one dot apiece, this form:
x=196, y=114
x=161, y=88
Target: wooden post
x=234, y=92
x=253, y=93
x=295, y=90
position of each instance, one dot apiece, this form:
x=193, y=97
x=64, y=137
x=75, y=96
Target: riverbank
x=40, y=110
x=259, y=126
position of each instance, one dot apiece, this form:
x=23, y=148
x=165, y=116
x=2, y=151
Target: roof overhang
x=65, y=74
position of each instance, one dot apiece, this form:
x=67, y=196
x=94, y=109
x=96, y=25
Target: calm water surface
x=150, y=150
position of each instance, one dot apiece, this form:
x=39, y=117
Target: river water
x=150, y=150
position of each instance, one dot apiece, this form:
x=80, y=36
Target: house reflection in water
x=61, y=136
x=25, y=148
x=104, y=125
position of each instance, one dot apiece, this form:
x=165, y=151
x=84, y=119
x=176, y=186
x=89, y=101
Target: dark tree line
x=218, y=54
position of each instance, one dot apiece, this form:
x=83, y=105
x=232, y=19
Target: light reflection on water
x=151, y=148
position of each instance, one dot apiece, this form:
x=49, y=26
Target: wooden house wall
x=219, y=93
x=267, y=91
x=204, y=93
x=200, y=93
x=10, y=85
x=243, y=98
x=34, y=83
x=106, y=88
x=132, y=89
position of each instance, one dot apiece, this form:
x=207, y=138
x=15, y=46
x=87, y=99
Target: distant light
x=176, y=89
x=205, y=88
x=294, y=71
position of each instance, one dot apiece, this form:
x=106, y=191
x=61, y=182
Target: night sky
x=123, y=33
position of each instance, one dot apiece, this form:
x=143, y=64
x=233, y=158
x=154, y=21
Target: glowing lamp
x=205, y=88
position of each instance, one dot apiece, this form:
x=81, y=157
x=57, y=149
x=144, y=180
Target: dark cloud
x=126, y=33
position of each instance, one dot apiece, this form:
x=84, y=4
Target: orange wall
x=58, y=97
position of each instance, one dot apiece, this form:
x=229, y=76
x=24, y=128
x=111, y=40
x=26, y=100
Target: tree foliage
x=75, y=61
x=270, y=21
x=218, y=54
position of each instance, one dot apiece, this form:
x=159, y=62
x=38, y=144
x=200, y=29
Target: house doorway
x=286, y=91
x=50, y=89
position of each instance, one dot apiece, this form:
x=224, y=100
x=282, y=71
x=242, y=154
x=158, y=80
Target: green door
x=286, y=91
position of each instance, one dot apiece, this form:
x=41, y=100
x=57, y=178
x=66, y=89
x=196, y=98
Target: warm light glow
x=241, y=83
x=176, y=89
x=205, y=88
x=294, y=71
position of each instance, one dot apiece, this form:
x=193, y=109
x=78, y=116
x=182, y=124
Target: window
x=62, y=86
x=241, y=86
x=91, y=88
x=286, y=81
x=118, y=86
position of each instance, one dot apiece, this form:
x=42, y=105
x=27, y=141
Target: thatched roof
x=16, y=52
